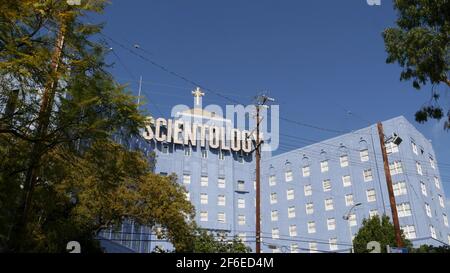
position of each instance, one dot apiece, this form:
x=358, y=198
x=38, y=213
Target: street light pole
x=347, y=217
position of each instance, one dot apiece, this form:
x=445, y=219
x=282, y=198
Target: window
x=241, y=220
x=367, y=175
x=221, y=200
x=436, y=182
x=273, y=198
x=291, y=212
x=344, y=160
x=288, y=176
x=331, y=223
x=186, y=179
x=241, y=203
x=165, y=149
x=221, y=182
x=221, y=155
x=242, y=236
x=309, y=208
x=306, y=171
x=419, y=168
x=396, y=167
x=221, y=217
x=294, y=248
x=275, y=233
x=329, y=204
x=203, y=198
x=326, y=185
x=433, y=232
x=364, y=155
x=444, y=217
x=308, y=190
x=441, y=200
x=204, y=153
x=188, y=196
x=400, y=188
x=404, y=210
x=346, y=181
x=428, y=210
x=187, y=150
x=391, y=148
x=311, y=227
x=409, y=231
x=312, y=247
x=204, y=181
x=371, y=195
x=333, y=244
x=414, y=147
x=272, y=180
x=423, y=187
x=352, y=220
x=290, y=194
x=349, y=200
x=203, y=216
x=324, y=166
x=373, y=213
x=240, y=158
x=432, y=163
x=274, y=215
x=241, y=185
x=292, y=230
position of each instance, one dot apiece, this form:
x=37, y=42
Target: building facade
x=313, y=199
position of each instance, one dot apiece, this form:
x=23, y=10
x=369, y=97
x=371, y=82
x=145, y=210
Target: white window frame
x=291, y=212
x=400, y=188
x=419, y=168
x=221, y=182
x=371, y=195
x=364, y=155
x=241, y=220
x=346, y=180
x=423, y=188
x=275, y=233
x=272, y=180
x=221, y=217
x=293, y=230
x=331, y=223
x=221, y=200
x=309, y=208
x=349, y=200
x=311, y=227
x=441, y=201
x=204, y=181
x=409, y=231
x=324, y=166
x=273, y=198
x=306, y=171
x=326, y=185
x=203, y=216
x=368, y=175
x=290, y=194
x=433, y=232
x=307, y=189
x=404, y=209
x=274, y=215
x=329, y=204
x=204, y=198
x=186, y=179
x=343, y=160
x=436, y=182
x=333, y=244
x=241, y=203
x=288, y=176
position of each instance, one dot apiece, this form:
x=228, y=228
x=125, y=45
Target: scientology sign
x=184, y=133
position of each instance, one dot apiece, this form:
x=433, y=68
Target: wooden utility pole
x=398, y=237
x=261, y=102
x=258, y=184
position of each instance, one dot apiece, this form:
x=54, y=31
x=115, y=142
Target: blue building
x=313, y=199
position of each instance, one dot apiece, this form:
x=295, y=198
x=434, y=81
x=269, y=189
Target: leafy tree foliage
x=431, y=249
x=376, y=229
x=60, y=155
x=421, y=45
x=207, y=242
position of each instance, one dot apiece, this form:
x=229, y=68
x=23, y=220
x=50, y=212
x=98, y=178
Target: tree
x=209, y=242
x=420, y=44
x=377, y=229
x=431, y=249
x=62, y=177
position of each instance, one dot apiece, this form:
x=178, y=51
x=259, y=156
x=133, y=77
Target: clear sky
x=323, y=60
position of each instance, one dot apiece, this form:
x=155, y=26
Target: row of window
x=349, y=201
x=204, y=153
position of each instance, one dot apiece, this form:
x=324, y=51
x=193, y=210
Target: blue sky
x=319, y=58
